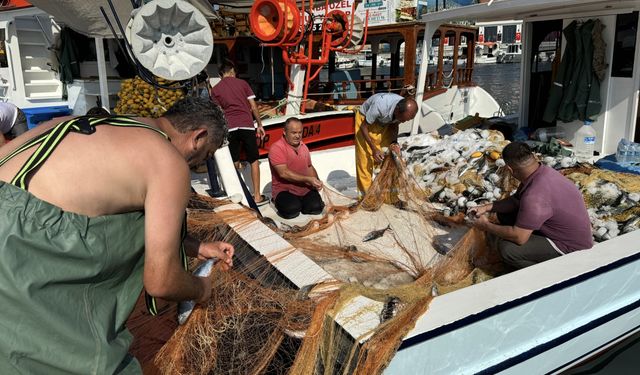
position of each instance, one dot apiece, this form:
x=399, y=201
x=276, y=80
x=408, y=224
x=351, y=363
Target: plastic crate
x=39, y=114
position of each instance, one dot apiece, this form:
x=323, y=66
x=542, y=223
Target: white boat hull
x=454, y=105
x=509, y=58
x=484, y=59
x=535, y=320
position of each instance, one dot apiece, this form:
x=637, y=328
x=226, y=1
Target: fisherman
x=237, y=100
x=93, y=208
x=12, y=122
x=545, y=218
x=295, y=184
x=376, y=127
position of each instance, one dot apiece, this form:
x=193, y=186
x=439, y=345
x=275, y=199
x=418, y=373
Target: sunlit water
x=502, y=81
x=499, y=80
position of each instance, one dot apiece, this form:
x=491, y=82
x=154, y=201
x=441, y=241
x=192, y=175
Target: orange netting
x=258, y=324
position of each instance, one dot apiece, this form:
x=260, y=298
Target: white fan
x=357, y=33
x=171, y=38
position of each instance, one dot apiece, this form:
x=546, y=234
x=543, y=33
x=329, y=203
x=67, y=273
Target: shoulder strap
x=51, y=138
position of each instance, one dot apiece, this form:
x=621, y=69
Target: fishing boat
x=485, y=53
x=495, y=38
x=450, y=92
x=544, y=318
x=512, y=54
x=548, y=317
x=28, y=77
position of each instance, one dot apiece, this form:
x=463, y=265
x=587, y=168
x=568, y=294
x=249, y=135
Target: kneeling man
x=545, y=218
x=295, y=184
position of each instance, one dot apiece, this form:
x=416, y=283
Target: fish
x=631, y=225
x=351, y=248
x=390, y=309
x=396, y=160
x=441, y=248
x=186, y=307
x=375, y=234
x=434, y=290
x=412, y=149
x=401, y=205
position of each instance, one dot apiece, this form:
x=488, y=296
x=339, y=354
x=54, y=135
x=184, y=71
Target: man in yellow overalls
x=376, y=124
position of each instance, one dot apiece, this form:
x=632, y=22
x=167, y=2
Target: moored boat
x=547, y=317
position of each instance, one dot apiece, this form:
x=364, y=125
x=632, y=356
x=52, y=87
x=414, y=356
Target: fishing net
x=257, y=323
x=611, y=199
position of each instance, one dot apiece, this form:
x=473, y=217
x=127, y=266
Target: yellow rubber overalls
x=381, y=137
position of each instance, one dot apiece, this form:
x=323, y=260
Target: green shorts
x=68, y=282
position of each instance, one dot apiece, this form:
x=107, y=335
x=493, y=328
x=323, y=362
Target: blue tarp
x=609, y=162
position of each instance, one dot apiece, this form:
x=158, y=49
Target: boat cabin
x=391, y=70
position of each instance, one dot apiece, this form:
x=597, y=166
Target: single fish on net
x=375, y=234
x=186, y=307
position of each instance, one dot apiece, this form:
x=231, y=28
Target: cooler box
x=37, y=115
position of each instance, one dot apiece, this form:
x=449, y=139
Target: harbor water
x=499, y=80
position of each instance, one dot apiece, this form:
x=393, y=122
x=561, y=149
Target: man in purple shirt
x=237, y=101
x=545, y=218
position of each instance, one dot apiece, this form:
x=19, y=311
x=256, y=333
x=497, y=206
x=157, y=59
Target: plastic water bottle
x=636, y=154
x=585, y=142
x=545, y=134
x=622, y=154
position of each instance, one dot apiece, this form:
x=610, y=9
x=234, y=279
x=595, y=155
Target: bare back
x=107, y=172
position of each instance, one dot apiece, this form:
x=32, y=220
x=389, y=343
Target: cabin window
x=509, y=34
x=624, y=45
x=4, y=63
x=491, y=34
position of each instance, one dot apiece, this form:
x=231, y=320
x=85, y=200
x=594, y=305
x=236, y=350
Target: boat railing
x=463, y=77
x=354, y=91
x=349, y=92
x=437, y=83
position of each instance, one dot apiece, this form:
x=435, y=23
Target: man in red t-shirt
x=236, y=99
x=545, y=218
x=295, y=182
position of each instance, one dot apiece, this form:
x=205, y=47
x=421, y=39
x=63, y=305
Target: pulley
x=171, y=38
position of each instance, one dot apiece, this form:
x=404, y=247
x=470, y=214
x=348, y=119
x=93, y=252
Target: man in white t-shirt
x=12, y=122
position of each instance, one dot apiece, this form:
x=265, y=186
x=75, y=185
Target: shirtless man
x=80, y=234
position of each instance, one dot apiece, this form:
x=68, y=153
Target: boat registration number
x=310, y=130
x=307, y=131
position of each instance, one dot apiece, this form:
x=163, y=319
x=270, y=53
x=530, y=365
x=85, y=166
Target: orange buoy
x=275, y=20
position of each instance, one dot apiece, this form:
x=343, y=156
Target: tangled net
x=611, y=198
x=260, y=324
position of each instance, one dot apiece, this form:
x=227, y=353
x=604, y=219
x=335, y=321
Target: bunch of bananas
x=138, y=98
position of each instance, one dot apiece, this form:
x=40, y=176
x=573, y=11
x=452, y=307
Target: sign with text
x=381, y=12
x=372, y=3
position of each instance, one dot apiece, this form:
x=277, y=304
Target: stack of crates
x=235, y=24
x=39, y=114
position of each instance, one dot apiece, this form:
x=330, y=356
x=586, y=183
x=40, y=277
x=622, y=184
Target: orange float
x=275, y=21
